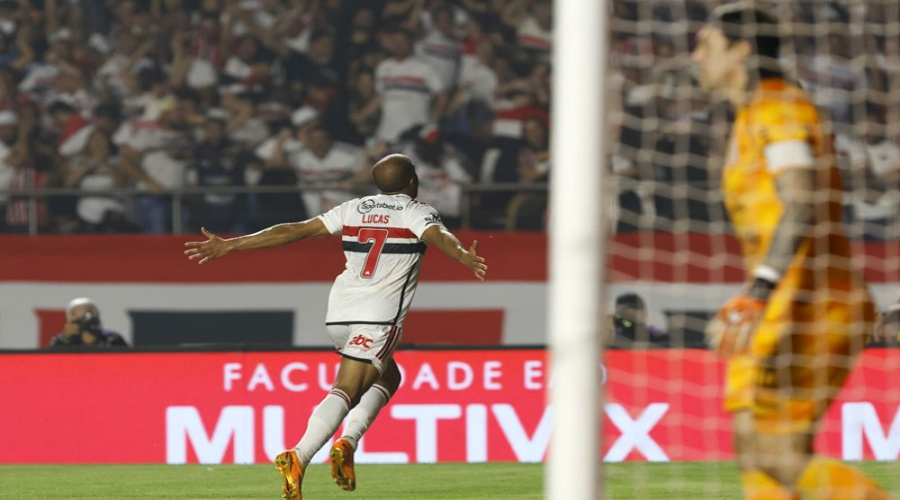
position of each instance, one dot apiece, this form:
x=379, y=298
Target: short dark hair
x=320, y=128
x=108, y=110
x=630, y=300
x=755, y=25
x=399, y=29
x=60, y=107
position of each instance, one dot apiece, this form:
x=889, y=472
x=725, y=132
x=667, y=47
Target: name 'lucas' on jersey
x=382, y=242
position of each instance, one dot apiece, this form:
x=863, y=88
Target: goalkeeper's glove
x=729, y=333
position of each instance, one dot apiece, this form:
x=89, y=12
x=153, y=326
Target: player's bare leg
x=784, y=444
x=788, y=457
x=757, y=485
x=791, y=461
x=784, y=457
x=362, y=415
x=352, y=380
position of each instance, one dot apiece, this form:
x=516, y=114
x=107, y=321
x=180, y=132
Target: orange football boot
x=342, y=465
x=288, y=465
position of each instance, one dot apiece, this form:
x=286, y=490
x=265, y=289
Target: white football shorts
x=373, y=344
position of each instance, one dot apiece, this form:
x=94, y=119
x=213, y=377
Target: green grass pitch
x=670, y=481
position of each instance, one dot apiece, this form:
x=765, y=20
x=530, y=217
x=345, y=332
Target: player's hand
x=474, y=262
x=213, y=248
x=729, y=333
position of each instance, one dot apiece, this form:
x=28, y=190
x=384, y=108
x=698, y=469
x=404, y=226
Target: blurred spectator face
x=177, y=18
x=401, y=45
x=302, y=132
x=543, y=14
x=57, y=52
x=319, y=142
x=126, y=43
x=632, y=74
x=503, y=69
x=261, y=69
x=365, y=84
x=7, y=133
x=319, y=94
x=321, y=49
x=8, y=9
x=214, y=130
x=125, y=11
x=485, y=52
x=60, y=118
x=188, y=106
x=211, y=6
x=838, y=46
x=443, y=21
x=535, y=133
x=173, y=117
x=364, y=19
x=232, y=102
x=209, y=28
x=19, y=157
x=271, y=5
x=67, y=83
x=98, y=146
x=334, y=5
x=142, y=24
x=372, y=58
x=474, y=29
x=540, y=71
x=246, y=48
x=106, y=124
x=875, y=128
x=887, y=329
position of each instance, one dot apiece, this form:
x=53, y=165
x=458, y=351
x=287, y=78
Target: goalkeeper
x=793, y=334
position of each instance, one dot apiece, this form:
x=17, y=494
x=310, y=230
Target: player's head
x=738, y=46
x=396, y=174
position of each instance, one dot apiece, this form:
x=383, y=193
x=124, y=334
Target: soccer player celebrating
x=384, y=239
x=792, y=335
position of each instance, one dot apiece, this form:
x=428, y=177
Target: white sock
x=364, y=414
x=322, y=424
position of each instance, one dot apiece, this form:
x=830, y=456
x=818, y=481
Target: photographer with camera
x=83, y=328
x=887, y=330
x=629, y=328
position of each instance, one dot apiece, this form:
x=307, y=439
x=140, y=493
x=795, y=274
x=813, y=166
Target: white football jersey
x=382, y=240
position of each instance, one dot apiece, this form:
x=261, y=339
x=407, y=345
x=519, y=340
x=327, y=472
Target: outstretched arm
x=796, y=189
x=448, y=243
x=279, y=234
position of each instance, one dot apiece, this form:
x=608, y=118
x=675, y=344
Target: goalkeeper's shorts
x=801, y=354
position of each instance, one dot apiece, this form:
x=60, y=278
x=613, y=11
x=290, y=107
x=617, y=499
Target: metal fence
x=468, y=210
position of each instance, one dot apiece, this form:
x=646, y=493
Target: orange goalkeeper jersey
x=779, y=112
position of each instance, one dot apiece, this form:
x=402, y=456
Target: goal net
x=674, y=260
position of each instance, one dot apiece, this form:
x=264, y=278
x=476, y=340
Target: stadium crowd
x=157, y=96
x=669, y=154
x=293, y=100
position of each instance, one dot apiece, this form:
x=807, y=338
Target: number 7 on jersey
x=377, y=237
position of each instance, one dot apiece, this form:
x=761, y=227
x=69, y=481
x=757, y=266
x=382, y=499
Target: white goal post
x=576, y=229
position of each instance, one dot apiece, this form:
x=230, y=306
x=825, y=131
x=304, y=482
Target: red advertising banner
x=513, y=256
x=454, y=406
